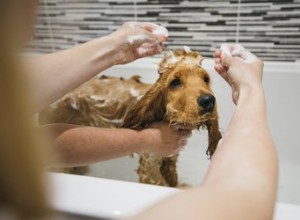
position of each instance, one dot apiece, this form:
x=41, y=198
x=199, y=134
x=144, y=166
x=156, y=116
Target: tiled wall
x=271, y=28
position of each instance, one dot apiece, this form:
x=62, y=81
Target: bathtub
x=282, y=87
x=81, y=197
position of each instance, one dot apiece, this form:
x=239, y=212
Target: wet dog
x=182, y=96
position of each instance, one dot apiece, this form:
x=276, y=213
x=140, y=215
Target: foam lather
x=239, y=51
x=161, y=32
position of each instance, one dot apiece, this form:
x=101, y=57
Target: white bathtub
x=80, y=197
x=282, y=86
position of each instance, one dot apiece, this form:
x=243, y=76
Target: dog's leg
x=149, y=170
x=168, y=170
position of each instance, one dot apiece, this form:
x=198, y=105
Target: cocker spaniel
x=182, y=96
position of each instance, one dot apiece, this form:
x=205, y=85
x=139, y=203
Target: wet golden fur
x=101, y=102
x=106, y=101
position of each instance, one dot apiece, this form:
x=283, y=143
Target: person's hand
x=239, y=67
x=135, y=40
x=163, y=140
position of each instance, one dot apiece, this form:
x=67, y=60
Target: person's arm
x=241, y=182
x=53, y=75
x=77, y=146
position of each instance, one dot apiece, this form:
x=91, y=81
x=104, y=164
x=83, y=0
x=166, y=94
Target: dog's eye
x=175, y=83
x=206, y=79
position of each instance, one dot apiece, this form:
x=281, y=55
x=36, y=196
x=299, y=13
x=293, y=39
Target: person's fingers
x=145, y=25
x=230, y=48
x=159, y=31
x=223, y=60
x=148, y=45
x=217, y=53
x=245, y=55
x=220, y=69
x=156, y=31
x=229, y=51
x=144, y=37
x=218, y=61
x=226, y=60
x=222, y=72
x=145, y=51
x=149, y=26
x=235, y=47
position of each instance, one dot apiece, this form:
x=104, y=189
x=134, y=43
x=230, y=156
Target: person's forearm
x=53, y=75
x=78, y=146
x=246, y=158
x=247, y=149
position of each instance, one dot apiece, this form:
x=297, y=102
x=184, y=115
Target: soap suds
x=239, y=52
x=133, y=24
x=136, y=38
x=142, y=50
x=74, y=103
x=97, y=98
x=225, y=49
x=188, y=61
x=135, y=93
x=116, y=121
x=171, y=58
x=246, y=56
x=139, y=97
x=187, y=49
x=161, y=31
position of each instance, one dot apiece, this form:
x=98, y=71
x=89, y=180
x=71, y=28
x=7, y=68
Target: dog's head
x=182, y=95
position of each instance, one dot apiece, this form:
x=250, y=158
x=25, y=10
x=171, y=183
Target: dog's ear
x=214, y=136
x=150, y=108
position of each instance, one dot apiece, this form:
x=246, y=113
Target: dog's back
x=102, y=102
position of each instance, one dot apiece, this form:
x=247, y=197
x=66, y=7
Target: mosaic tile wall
x=271, y=28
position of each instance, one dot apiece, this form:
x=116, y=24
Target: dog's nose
x=207, y=102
